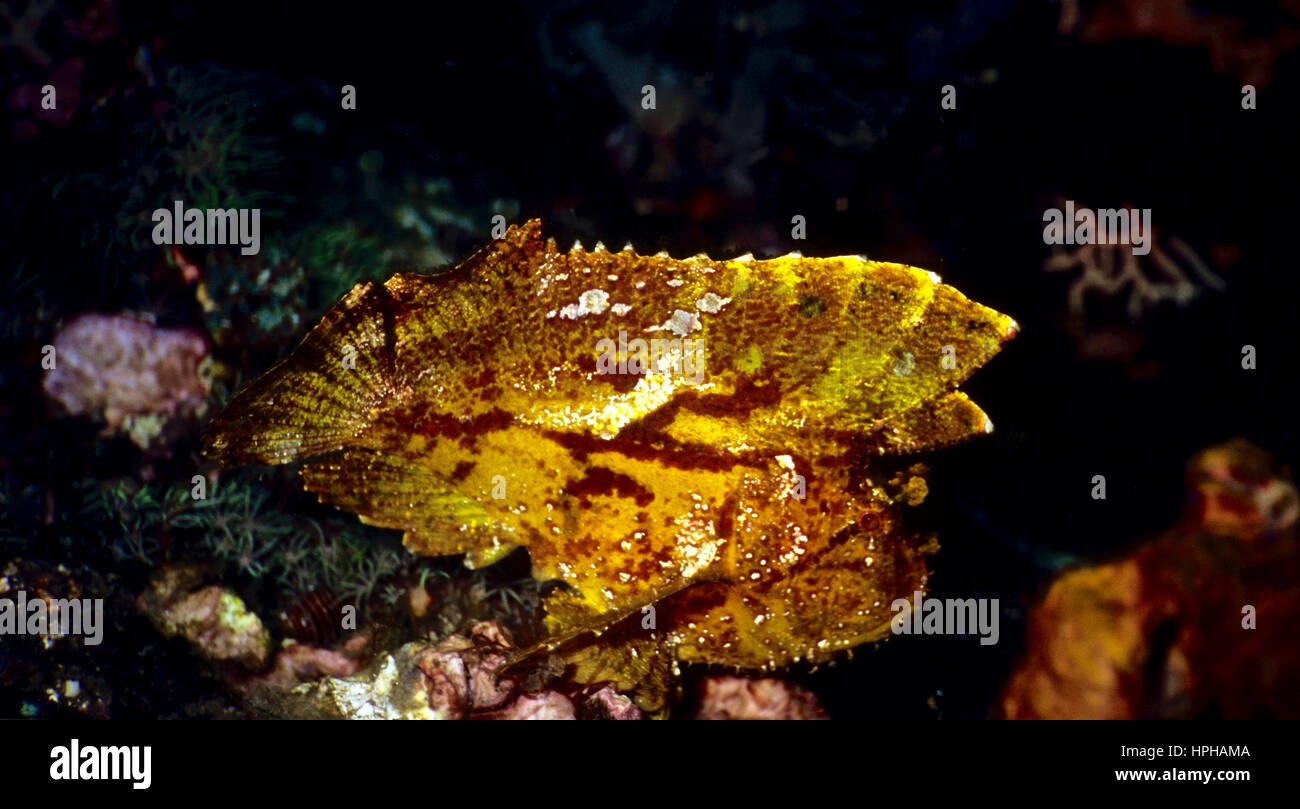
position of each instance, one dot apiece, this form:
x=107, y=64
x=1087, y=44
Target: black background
x=468, y=90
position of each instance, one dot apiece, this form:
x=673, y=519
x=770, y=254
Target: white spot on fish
x=681, y=323
x=711, y=303
x=905, y=364
x=591, y=302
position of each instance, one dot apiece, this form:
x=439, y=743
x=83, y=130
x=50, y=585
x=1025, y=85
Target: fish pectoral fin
x=321, y=396
x=391, y=491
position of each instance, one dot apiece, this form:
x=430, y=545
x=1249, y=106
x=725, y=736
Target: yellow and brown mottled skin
x=466, y=409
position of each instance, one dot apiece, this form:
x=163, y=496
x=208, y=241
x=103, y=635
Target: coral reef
x=546, y=706
x=40, y=582
x=419, y=681
x=138, y=518
x=462, y=676
x=54, y=59
x=1185, y=24
x=1198, y=622
x=238, y=524
x=607, y=703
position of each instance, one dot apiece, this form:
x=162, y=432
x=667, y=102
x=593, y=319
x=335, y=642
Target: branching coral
x=1110, y=268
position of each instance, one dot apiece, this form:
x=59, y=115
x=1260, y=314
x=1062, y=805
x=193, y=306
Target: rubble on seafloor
x=297, y=662
x=104, y=661
x=461, y=676
x=69, y=683
x=212, y=618
x=1199, y=622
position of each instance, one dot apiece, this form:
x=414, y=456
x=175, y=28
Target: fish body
x=698, y=449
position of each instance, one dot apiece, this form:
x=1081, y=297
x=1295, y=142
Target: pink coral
x=733, y=697
x=127, y=371
x=542, y=705
x=609, y=704
x=301, y=662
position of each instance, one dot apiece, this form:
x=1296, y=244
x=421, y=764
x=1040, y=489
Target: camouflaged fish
x=696, y=448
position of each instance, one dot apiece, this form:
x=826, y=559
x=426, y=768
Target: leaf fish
x=700, y=451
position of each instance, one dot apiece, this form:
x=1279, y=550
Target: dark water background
x=797, y=107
